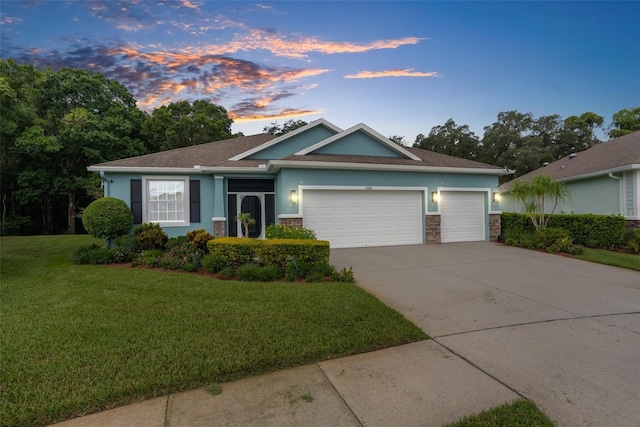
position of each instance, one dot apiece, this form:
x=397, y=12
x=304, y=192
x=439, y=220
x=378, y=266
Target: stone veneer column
x=432, y=226
x=219, y=227
x=495, y=227
x=291, y=221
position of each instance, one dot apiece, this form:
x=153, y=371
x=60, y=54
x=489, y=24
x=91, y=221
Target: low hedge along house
x=352, y=187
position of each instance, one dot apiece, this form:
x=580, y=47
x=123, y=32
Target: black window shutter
x=136, y=200
x=194, y=201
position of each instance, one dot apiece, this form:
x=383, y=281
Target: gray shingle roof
x=618, y=153
x=217, y=154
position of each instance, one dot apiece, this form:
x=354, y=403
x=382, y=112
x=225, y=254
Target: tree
x=246, y=220
x=181, y=124
x=583, y=128
x=450, y=139
x=290, y=125
x=533, y=195
x=107, y=218
x=624, y=122
x=397, y=139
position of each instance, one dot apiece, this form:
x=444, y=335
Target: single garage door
x=461, y=216
x=357, y=218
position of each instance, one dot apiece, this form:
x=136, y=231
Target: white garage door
x=351, y=218
x=461, y=216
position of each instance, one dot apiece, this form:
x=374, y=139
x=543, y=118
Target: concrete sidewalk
x=411, y=385
x=505, y=323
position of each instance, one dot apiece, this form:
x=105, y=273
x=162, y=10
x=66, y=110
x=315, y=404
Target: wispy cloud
x=408, y=72
x=284, y=113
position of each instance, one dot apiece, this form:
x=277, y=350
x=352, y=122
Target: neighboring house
x=352, y=187
x=604, y=179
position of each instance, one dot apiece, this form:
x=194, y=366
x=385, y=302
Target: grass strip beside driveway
x=616, y=259
x=78, y=339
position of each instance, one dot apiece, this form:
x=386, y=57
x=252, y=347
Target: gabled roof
x=305, y=128
x=359, y=128
x=234, y=155
x=616, y=155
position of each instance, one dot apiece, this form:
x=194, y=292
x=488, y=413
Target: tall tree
x=290, y=125
x=181, y=124
x=624, y=122
x=450, y=139
x=583, y=128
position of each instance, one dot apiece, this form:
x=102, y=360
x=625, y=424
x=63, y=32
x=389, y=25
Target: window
x=166, y=201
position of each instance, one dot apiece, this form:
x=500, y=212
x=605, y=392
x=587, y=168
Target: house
x=604, y=179
x=353, y=187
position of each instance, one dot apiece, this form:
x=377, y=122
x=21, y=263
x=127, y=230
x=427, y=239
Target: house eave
x=600, y=172
x=136, y=169
x=279, y=164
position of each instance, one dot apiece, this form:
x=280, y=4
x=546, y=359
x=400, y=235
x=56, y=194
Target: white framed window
x=166, y=200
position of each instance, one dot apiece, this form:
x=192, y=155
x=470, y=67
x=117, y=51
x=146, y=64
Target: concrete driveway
x=562, y=332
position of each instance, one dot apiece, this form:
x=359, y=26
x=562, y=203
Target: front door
x=254, y=205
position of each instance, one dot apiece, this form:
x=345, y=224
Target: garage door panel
x=364, y=218
x=462, y=216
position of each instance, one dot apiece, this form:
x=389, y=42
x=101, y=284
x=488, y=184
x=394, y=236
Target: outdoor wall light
x=293, y=196
x=496, y=197
x=434, y=196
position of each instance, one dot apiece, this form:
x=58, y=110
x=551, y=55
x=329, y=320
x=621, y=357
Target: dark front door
x=253, y=206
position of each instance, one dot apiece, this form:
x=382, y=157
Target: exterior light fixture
x=496, y=197
x=434, y=196
x=293, y=196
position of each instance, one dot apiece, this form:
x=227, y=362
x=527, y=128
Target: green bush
x=283, y=251
x=547, y=237
x=151, y=258
x=95, y=254
x=176, y=241
x=593, y=231
x=632, y=239
x=280, y=231
x=150, y=236
x=213, y=263
x=343, y=275
x=226, y=273
x=107, y=218
x=236, y=251
x=16, y=225
x=520, y=238
x=199, y=238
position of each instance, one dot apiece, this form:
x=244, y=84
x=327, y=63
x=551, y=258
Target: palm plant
x=246, y=220
x=533, y=195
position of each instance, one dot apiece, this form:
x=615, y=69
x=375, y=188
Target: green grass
x=616, y=259
x=78, y=339
x=519, y=413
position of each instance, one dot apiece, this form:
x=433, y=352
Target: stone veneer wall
x=633, y=223
x=219, y=228
x=495, y=226
x=432, y=225
x=291, y=222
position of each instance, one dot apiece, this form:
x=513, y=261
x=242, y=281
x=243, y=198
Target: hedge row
x=238, y=251
x=592, y=231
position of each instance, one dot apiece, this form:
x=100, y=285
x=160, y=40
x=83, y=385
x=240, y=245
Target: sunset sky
x=400, y=67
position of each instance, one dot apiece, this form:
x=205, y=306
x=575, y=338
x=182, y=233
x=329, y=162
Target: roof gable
x=285, y=145
x=360, y=140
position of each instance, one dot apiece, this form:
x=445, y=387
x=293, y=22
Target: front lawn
x=82, y=338
x=617, y=259
x=519, y=413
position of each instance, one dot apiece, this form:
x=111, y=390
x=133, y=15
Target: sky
x=400, y=67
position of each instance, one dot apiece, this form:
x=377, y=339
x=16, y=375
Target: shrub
x=269, y=273
x=94, y=254
x=213, y=263
x=176, y=241
x=235, y=250
x=150, y=236
x=226, y=273
x=107, y=218
x=593, y=231
x=199, y=238
x=248, y=272
x=343, y=275
x=280, y=231
x=151, y=258
x=631, y=238
x=16, y=225
x=545, y=238
x=282, y=251
x=523, y=239
x=182, y=257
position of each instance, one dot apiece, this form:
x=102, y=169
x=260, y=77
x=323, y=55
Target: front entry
x=255, y=197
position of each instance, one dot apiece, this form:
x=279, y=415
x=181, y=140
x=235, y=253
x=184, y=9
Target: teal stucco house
x=604, y=180
x=353, y=187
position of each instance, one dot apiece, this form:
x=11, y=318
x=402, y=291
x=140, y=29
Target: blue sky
x=400, y=67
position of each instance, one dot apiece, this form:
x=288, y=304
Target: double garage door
x=358, y=218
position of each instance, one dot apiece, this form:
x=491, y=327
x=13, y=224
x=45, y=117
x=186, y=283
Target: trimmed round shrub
x=107, y=218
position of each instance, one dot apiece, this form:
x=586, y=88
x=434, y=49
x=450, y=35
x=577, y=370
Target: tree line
x=55, y=123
